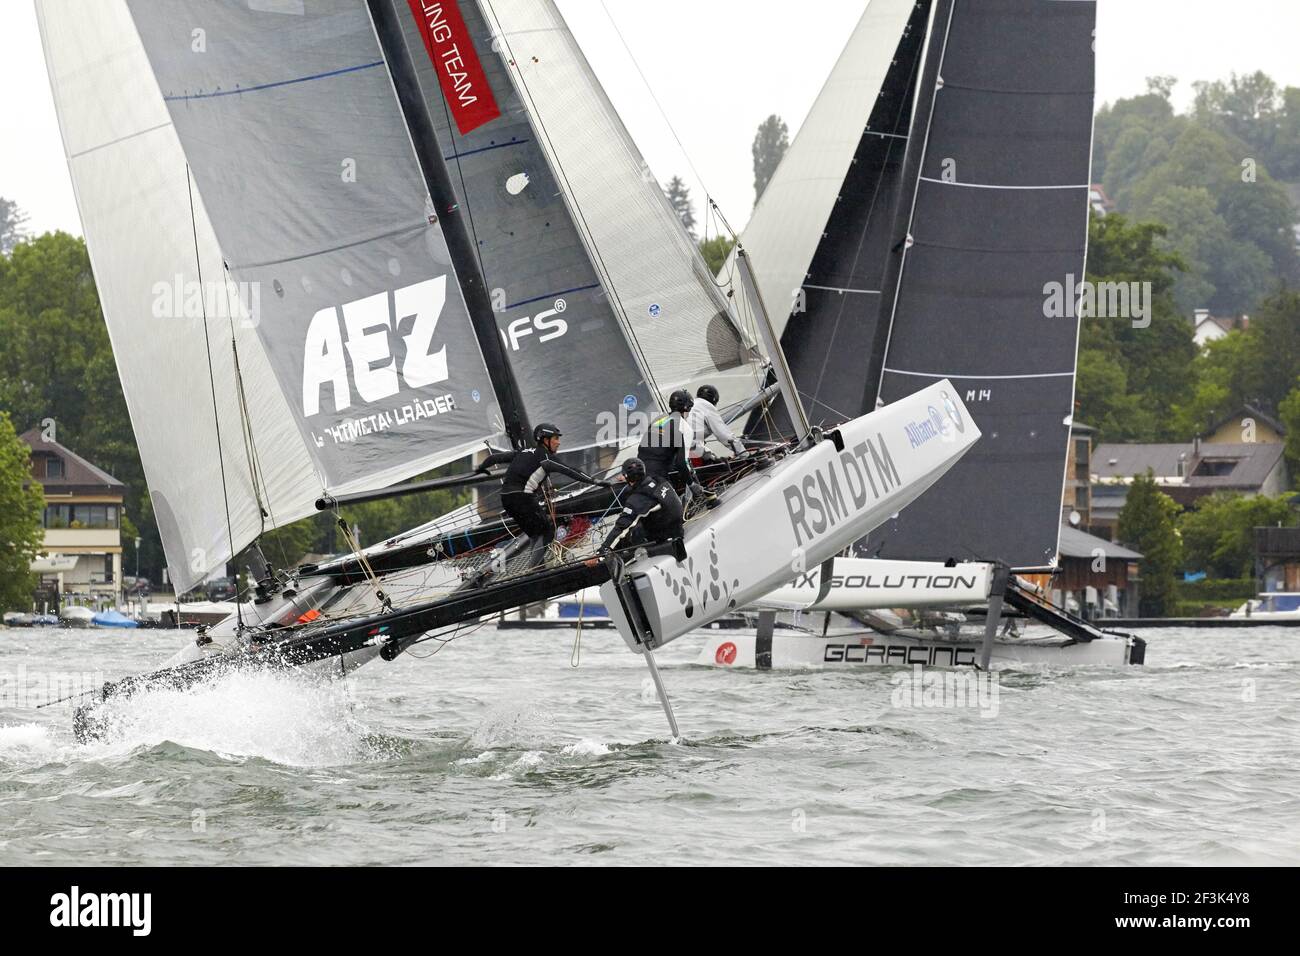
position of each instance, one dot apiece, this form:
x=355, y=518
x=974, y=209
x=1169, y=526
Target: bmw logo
x=654, y=310
x=941, y=426
x=953, y=412
x=629, y=402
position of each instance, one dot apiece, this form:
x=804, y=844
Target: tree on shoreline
x=22, y=506
x=1146, y=524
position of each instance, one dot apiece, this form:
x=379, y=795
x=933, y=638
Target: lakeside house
x=1094, y=577
x=1076, y=504
x=82, y=558
x=1100, y=203
x=1098, y=577
x=1207, y=328
x=1277, y=559
x=1246, y=424
x=1242, y=452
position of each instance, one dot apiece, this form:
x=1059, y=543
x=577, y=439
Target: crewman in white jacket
x=705, y=421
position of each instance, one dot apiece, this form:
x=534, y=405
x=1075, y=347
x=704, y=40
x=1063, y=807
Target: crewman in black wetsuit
x=652, y=512
x=666, y=445
x=526, y=480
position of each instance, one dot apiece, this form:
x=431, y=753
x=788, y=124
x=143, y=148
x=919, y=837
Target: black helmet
x=708, y=393
x=545, y=430
x=633, y=470
x=680, y=401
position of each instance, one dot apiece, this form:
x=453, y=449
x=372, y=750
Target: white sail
x=676, y=317
x=129, y=174
x=787, y=224
x=128, y=163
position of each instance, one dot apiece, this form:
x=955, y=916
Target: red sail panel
x=460, y=74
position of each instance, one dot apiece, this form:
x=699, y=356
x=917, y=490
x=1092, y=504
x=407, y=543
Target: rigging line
x=570, y=197
x=355, y=545
x=212, y=385
x=649, y=89
x=246, y=425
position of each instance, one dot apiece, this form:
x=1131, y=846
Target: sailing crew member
x=664, y=447
x=652, y=512
x=526, y=479
x=705, y=421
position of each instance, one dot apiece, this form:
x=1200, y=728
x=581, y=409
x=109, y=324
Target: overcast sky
x=717, y=67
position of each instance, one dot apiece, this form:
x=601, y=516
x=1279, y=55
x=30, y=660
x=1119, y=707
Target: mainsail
x=849, y=131
x=837, y=299
x=939, y=266
x=677, y=319
x=289, y=122
x=267, y=151
x=129, y=174
x=561, y=330
x=998, y=217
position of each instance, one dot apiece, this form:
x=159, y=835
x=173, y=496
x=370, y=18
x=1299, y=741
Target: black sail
x=831, y=331
x=998, y=221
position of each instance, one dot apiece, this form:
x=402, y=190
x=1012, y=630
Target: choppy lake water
x=497, y=751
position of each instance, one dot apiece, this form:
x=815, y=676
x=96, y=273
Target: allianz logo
x=934, y=426
x=349, y=347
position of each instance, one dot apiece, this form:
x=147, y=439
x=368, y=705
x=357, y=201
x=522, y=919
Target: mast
x=459, y=243
x=773, y=346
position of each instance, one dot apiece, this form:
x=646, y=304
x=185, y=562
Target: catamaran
x=428, y=227
x=935, y=193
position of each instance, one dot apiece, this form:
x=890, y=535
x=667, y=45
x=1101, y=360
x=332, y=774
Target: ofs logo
x=545, y=324
x=367, y=323
x=954, y=412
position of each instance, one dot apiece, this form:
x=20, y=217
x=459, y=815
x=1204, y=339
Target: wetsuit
x=664, y=451
x=652, y=513
x=529, y=471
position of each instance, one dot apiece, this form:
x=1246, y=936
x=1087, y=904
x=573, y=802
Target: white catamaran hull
x=861, y=647
x=853, y=584
x=793, y=516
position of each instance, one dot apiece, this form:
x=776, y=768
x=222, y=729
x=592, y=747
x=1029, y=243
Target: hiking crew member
x=704, y=421
x=526, y=479
x=664, y=448
x=652, y=512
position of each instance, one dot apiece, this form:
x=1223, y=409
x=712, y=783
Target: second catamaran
x=937, y=189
